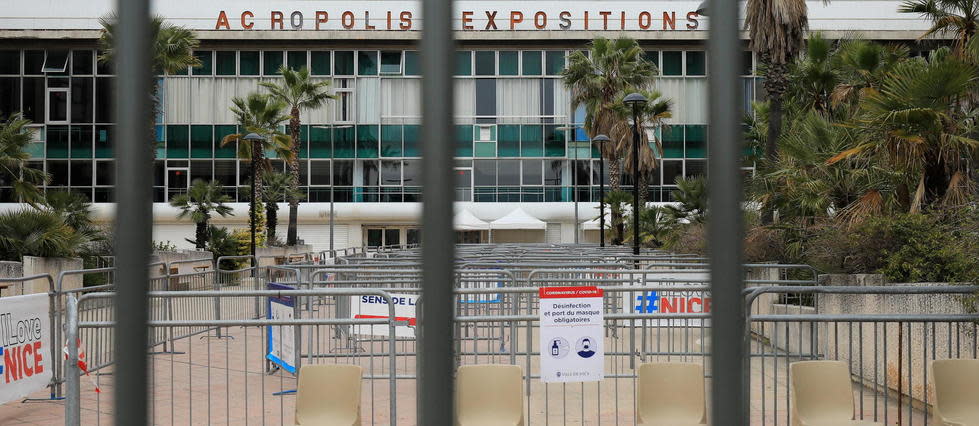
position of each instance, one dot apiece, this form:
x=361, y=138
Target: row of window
x=346, y=62
x=360, y=141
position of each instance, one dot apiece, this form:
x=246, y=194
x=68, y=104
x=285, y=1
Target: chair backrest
x=489, y=394
x=822, y=392
x=956, y=389
x=671, y=393
x=329, y=394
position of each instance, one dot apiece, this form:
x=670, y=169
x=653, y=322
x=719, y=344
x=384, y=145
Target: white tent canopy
x=464, y=220
x=518, y=219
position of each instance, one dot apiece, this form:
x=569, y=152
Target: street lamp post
x=253, y=138
x=601, y=139
x=636, y=101
x=332, y=184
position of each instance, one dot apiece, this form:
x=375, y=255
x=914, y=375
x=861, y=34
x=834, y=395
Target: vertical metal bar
x=435, y=375
x=725, y=225
x=73, y=407
x=134, y=214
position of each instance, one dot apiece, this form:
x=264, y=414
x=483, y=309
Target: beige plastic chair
x=956, y=391
x=329, y=395
x=489, y=395
x=822, y=394
x=671, y=394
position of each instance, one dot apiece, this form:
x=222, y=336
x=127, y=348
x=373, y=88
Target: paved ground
x=222, y=381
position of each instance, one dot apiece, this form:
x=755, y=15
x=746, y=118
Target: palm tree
x=599, y=80
x=655, y=227
x=652, y=115
x=860, y=66
x=261, y=114
x=776, y=29
x=691, y=196
x=617, y=202
x=33, y=232
x=814, y=76
x=173, y=52
x=299, y=93
x=74, y=208
x=915, y=125
x=958, y=17
x=201, y=201
x=15, y=136
x=278, y=187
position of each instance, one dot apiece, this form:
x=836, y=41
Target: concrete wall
x=54, y=266
x=11, y=270
x=267, y=255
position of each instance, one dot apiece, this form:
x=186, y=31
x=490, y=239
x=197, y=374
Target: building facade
x=518, y=139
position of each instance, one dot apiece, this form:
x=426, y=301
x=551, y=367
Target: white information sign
x=282, y=338
x=370, y=306
x=25, y=346
x=572, y=346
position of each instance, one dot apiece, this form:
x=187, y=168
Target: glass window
x=82, y=94
x=225, y=172
x=464, y=62
x=367, y=62
x=391, y=62
x=10, y=62
x=59, y=173
x=81, y=62
x=531, y=141
x=533, y=172
x=103, y=99
x=103, y=67
x=297, y=59
x=320, y=62
x=485, y=149
x=696, y=141
x=249, y=63
x=391, y=172
x=9, y=95
x=553, y=172
x=226, y=151
x=582, y=172
x=486, y=99
x=105, y=173
x=369, y=175
x=672, y=63
x=532, y=62
x=33, y=61
x=485, y=62
x=508, y=142
x=509, y=63
x=319, y=172
x=391, y=141
x=103, y=141
x=412, y=67
x=201, y=170
x=57, y=142
x=671, y=171
x=201, y=141
x=508, y=172
x=367, y=141
x=695, y=168
x=696, y=63
x=55, y=61
x=320, y=142
x=343, y=63
x=205, y=56
x=652, y=56
x=411, y=172
x=746, y=66
x=554, y=145
x=343, y=142
x=272, y=61
x=411, y=145
x=81, y=141
x=34, y=99
x=555, y=62
x=673, y=142
x=57, y=105
x=484, y=172
x=464, y=141
x=81, y=173
x=225, y=60
x=178, y=141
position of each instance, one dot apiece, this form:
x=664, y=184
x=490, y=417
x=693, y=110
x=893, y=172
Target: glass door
x=177, y=181
x=464, y=184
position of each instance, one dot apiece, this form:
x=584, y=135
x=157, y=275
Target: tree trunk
x=271, y=222
x=292, y=235
x=201, y=236
x=643, y=189
x=775, y=85
x=936, y=179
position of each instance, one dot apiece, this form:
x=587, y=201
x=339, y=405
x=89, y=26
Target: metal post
x=601, y=199
x=331, y=217
x=635, y=179
x=251, y=220
x=728, y=362
x=134, y=213
x=574, y=190
x=434, y=362
x=73, y=405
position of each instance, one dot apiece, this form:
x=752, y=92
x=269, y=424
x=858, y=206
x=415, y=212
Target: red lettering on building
x=645, y=20
x=669, y=18
x=515, y=18
x=222, y=21
x=540, y=20
x=276, y=18
x=247, y=25
x=322, y=17
x=692, y=22
x=467, y=19
x=405, y=21
x=347, y=19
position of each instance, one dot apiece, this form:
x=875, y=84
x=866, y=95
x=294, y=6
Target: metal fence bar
x=435, y=352
x=729, y=366
x=134, y=214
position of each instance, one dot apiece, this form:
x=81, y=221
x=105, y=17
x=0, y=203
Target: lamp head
x=702, y=9
x=253, y=137
x=635, y=100
x=600, y=139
